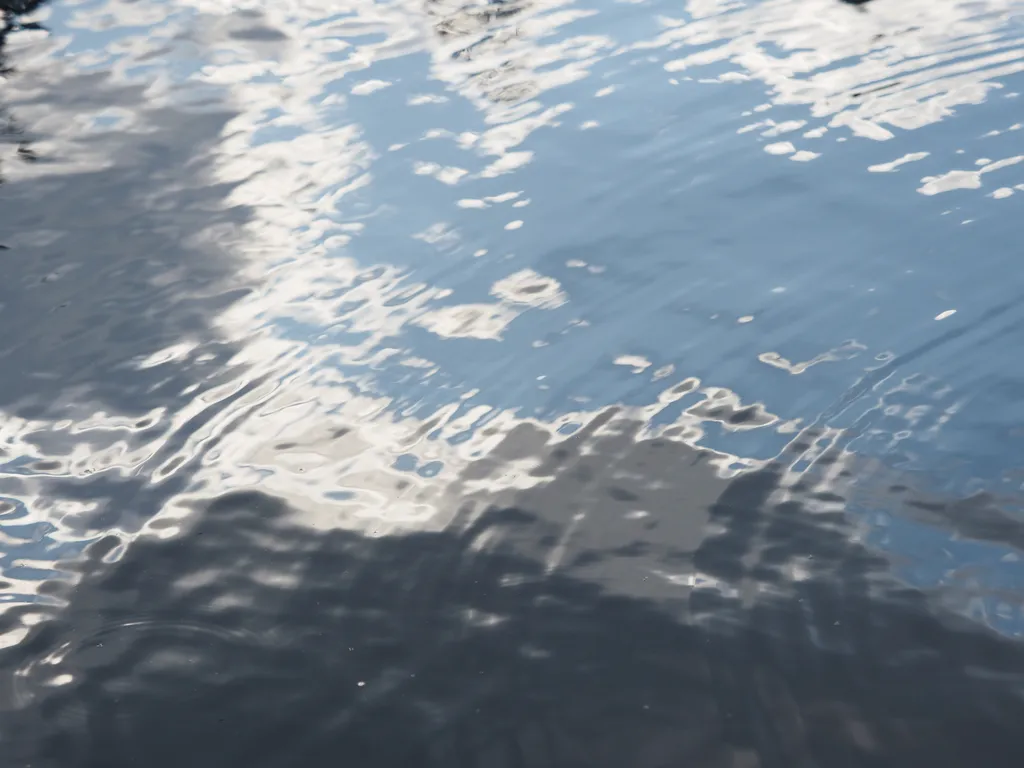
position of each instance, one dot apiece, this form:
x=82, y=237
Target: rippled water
x=524, y=383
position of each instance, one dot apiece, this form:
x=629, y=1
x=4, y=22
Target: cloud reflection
x=328, y=284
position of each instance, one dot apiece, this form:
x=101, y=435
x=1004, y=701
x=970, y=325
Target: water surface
x=511, y=383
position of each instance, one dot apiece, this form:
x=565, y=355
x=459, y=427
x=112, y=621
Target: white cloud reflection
x=335, y=298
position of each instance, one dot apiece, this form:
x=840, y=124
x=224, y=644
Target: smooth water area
x=511, y=384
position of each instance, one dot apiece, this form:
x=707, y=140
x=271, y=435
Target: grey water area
x=511, y=384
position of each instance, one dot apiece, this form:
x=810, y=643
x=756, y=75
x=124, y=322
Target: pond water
x=512, y=383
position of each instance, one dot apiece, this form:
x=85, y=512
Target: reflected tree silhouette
x=250, y=640
x=10, y=130
x=12, y=10
x=456, y=20
x=484, y=30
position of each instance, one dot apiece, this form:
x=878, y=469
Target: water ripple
x=368, y=359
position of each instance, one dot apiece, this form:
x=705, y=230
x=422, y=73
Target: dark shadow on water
x=253, y=641
x=109, y=259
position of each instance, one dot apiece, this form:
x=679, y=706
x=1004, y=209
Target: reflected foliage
x=252, y=641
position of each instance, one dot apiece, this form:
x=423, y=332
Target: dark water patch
x=253, y=640
x=113, y=261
